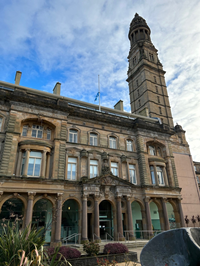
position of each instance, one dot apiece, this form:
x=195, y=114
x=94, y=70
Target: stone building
x=77, y=171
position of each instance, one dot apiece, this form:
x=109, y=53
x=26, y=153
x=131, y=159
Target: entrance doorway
x=106, y=220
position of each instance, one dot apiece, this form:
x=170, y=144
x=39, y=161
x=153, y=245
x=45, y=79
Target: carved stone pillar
x=25, y=171
x=166, y=218
x=182, y=221
x=119, y=219
x=84, y=234
x=96, y=218
x=148, y=215
x=29, y=211
x=130, y=219
x=44, y=159
x=58, y=218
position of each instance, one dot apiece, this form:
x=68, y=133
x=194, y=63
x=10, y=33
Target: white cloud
x=74, y=41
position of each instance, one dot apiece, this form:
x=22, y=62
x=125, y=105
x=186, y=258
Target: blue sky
x=72, y=41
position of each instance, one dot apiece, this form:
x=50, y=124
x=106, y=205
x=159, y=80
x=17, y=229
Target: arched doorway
x=70, y=218
x=137, y=218
x=106, y=220
x=42, y=217
x=155, y=219
x=12, y=211
x=171, y=216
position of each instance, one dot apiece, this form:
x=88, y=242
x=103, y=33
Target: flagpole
x=99, y=93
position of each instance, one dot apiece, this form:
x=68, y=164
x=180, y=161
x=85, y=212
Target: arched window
x=112, y=142
x=93, y=139
x=73, y=135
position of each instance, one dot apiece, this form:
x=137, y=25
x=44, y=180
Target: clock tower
x=147, y=88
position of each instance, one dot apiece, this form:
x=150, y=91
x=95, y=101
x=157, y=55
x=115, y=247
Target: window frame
x=48, y=133
x=93, y=166
x=153, y=177
x=34, y=164
x=71, y=170
x=158, y=171
x=37, y=129
x=75, y=133
x=112, y=139
x=24, y=129
x=92, y=137
x=114, y=167
x=130, y=145
x=152, y=149
x=132, y=169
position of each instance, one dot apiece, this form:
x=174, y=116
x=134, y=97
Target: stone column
x=182, y=221
x=96, y=218
x=19, y=163
x=148, y=215
x=84, y=235
x=29, y=211
x=165, y=177
x=48, y=165
x=166, y=218
x=44, y=158
x=119, y=219
x=58, y=218
x=156, y=177
x=130, y=219
x=25, y=171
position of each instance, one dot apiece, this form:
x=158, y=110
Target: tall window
x=151, y=57
x=132, y=174
x=25, y=130
x=34, y=163
x=158, y=99
x=93, y=168
x=157, y=89
x=152, y=150
x=114, y=168
x=153, y=180
x=160, y=109
x=137, y=83
x=93, y=139
x=139, y=102
x=155, y=79
x=73, y=135
x=71, y=168
x=129, y=145
x=160, y=175
x=1, y=119
x=37, y=131
x=48, y=133
x=112, y=142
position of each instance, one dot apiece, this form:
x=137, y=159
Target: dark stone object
x=84, y=260
x=178, y=247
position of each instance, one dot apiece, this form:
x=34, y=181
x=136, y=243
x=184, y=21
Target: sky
x=74, y=41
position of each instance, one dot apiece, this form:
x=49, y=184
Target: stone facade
x=91, y=167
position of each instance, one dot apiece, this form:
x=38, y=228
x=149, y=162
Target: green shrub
x=12, y=240
x=91, y=248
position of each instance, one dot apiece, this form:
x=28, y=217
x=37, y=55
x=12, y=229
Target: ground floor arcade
x=90, y=216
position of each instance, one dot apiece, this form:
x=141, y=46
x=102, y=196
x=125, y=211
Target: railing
x=97, y=237
x=112, y=238
x=75, y=236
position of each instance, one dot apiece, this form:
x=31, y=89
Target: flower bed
x=85, y=260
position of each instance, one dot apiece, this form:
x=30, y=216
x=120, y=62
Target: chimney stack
x=56, y=89
x=17, y=77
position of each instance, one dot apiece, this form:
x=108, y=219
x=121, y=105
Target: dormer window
x=112, y=142
x=152, y=150
x=37, y=131
x=73, y=135
x=25, y=130
x=93, y=139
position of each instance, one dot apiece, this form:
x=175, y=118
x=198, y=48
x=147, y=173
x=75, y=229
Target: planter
x=84, y=260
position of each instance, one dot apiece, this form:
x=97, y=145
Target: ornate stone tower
x=147, y=88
